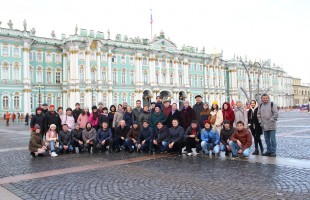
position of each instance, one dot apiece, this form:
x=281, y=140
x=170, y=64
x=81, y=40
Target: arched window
x=82, y=74
x=5, y=102
x=114, y=75
x=82, y=100
x=81, y=56
x=58, y=102
x=157, y=77
x=94, y=100
x=144, y=61
x=124, y=97
x=93, y=56
x=115, y=99
x=16, y=52
x=113, y=59
x=5, y=51
x=123, y=76
x=49, y=99
x=39, y=57
x=180, y=79
x=39, y=75
x=104, y=57
x=131, y=61
x=132, y=76
x=16, y=103
x=104, y=75
x=57, y=58
x=201, y=81
x=190, y=80
x=123, y=60
x=48, y=58
x=105, y=99
x=58, y=75
x=163, y=63
x=93, y=74
x=132, y=99
x=145, y=77
x=5, y=71
x=171, y=78
x=16, y=72
x=164, y=76
x=31, y=102
x=49, y=76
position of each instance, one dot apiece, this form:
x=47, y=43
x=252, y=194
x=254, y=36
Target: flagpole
x=151, y=26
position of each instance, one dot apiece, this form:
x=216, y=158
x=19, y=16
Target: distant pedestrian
x=18, y=117
x=27, y=120
x=7, y=118
x=267, y=116
x=13, y=117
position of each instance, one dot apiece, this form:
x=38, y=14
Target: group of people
x=162, y=127
x=18, y=117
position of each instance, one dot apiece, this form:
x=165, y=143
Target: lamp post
x=39, y=87
x=92, y=94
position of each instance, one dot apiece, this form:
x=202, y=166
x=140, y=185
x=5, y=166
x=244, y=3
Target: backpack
x=260, y=106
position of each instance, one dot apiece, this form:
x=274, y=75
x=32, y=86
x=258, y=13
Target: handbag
x=213, y=119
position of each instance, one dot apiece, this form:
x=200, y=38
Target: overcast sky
x=275, y=29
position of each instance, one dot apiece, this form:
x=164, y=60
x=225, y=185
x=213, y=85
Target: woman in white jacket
x=216, y=117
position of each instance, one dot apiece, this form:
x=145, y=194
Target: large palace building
x=89, y=67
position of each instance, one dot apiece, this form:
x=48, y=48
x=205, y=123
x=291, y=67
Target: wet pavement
x=140, y=176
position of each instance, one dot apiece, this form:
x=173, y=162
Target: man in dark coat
x=51, y=117
x=77, y=111
x=37, y=119
x=174, y=114
x=188, y=115
x=198, y=107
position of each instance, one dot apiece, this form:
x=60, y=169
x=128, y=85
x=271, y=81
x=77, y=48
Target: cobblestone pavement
x=176, y=177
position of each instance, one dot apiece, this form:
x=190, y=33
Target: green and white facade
x=90, y=67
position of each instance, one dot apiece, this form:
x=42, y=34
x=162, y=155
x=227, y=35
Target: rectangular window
x=49, y=77
x=57, y=77
x=16, y=73
x=123, y=77
x=104, y=76
x=82, y=74
x=114, y=76
x=104, y=57
x=16, y=52
x=5, y=51
x=39, y=57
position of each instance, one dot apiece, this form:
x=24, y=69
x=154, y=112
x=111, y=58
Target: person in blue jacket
x=210, y=139
x=104, y=137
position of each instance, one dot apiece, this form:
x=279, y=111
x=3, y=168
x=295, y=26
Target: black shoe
x=118, y=150
x=240, y=155
x=266, y=154
x=33, y=154
x=227, y=153
x=255, y=152
x=272, y=155
x=234, y=156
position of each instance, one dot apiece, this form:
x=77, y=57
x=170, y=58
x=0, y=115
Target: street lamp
x=92, y=94
x=39, y=87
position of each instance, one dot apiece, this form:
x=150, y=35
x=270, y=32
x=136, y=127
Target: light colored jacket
x=69, y=120
x=82, y=120
x=118, y=116
x=267, y=116
x=241, y=115
x=219, y=119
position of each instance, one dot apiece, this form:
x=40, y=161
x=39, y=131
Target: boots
x=255, y=152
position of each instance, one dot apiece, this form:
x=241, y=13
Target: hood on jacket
x=228, y=104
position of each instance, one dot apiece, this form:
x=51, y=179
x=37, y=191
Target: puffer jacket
x=35, y=142
x=267, y=116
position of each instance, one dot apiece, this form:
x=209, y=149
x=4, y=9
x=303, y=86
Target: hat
x=36, y=127
x=198, y=96
x=215, y=103
x=52, y=125
x=45, y=104
x=51, y=105
x=100, y=103
x=38, y=108
x=135, y=122
x=157, y=106
x=86, y=107
x=69, y=109
x=145, y=121
x=226, y=122
x=153, y=103
x=206, y=122
x=94, y=108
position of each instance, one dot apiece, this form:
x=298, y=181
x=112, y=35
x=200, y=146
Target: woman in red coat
x=228, y=113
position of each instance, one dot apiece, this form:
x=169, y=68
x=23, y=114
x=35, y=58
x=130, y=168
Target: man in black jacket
x=225, y=136
x=198, y=107
x=51, y=117
x=65, y=140
x=120, y=135
x=37, y=119
x=192, y=138
x=174, y=114
x=160, y=138
x=145, y=137
x=76, y=112
x=77, y=137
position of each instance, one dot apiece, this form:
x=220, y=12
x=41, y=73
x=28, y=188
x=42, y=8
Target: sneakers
x=190, y=154
x=227, y=153
x=272, y=155
x=54, y=154
x=266, y=154
x=33, y=154
x=234, y=157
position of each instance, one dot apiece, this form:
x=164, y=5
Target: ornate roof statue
x=125, y=38
x=10, y=24
x=0, y=23
x=53, y=34
x=108, y=34
x=76, y=29
x=25, y=25
x=203, y=49
x=33, y=31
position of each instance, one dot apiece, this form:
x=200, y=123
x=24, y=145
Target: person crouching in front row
x=160, y=138
x=192, y=138
x=225, y=136
x=131, y=142
x=65, y=140
x=104, y=137
x=77, y=138
x=120, y=135
x=241, y=141
x=145, y=137
x=36, y=144
x=176, y=134
x=210, y=139
x=89, y=137
x=52, y=139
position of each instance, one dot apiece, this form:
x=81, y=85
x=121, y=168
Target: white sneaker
x=189, y=154
x=54, y=154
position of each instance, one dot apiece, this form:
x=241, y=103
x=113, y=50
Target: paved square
x=138, y=176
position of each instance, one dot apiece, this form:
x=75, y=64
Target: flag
x=151, y=18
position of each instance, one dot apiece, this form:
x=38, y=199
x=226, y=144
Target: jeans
x=160, y=146
x=270, y=139
x=52, y=145
x=235, y=148
x=223, y=147
x=208, y=146
x=129, y=143
x=70, y=148
x=146, y=146
x=102, y=147
x=117, y=142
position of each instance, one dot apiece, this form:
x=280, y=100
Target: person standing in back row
x=267, y=116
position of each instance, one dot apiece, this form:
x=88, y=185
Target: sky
x=259, y=29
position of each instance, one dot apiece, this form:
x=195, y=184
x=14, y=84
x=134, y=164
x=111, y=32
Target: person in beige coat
x=118, y=116
x=216, y=117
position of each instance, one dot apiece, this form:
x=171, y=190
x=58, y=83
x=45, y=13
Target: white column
x=65, y=99
x=99, y=78
x=168, y=73
x=223, y=78
x=26, y=81
x=185, y=72
x=211, y=81
x=176, y=73
x=74, y=91
x=110, y=67
x=205, y=75
x=152, y=70
x=137, y=70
